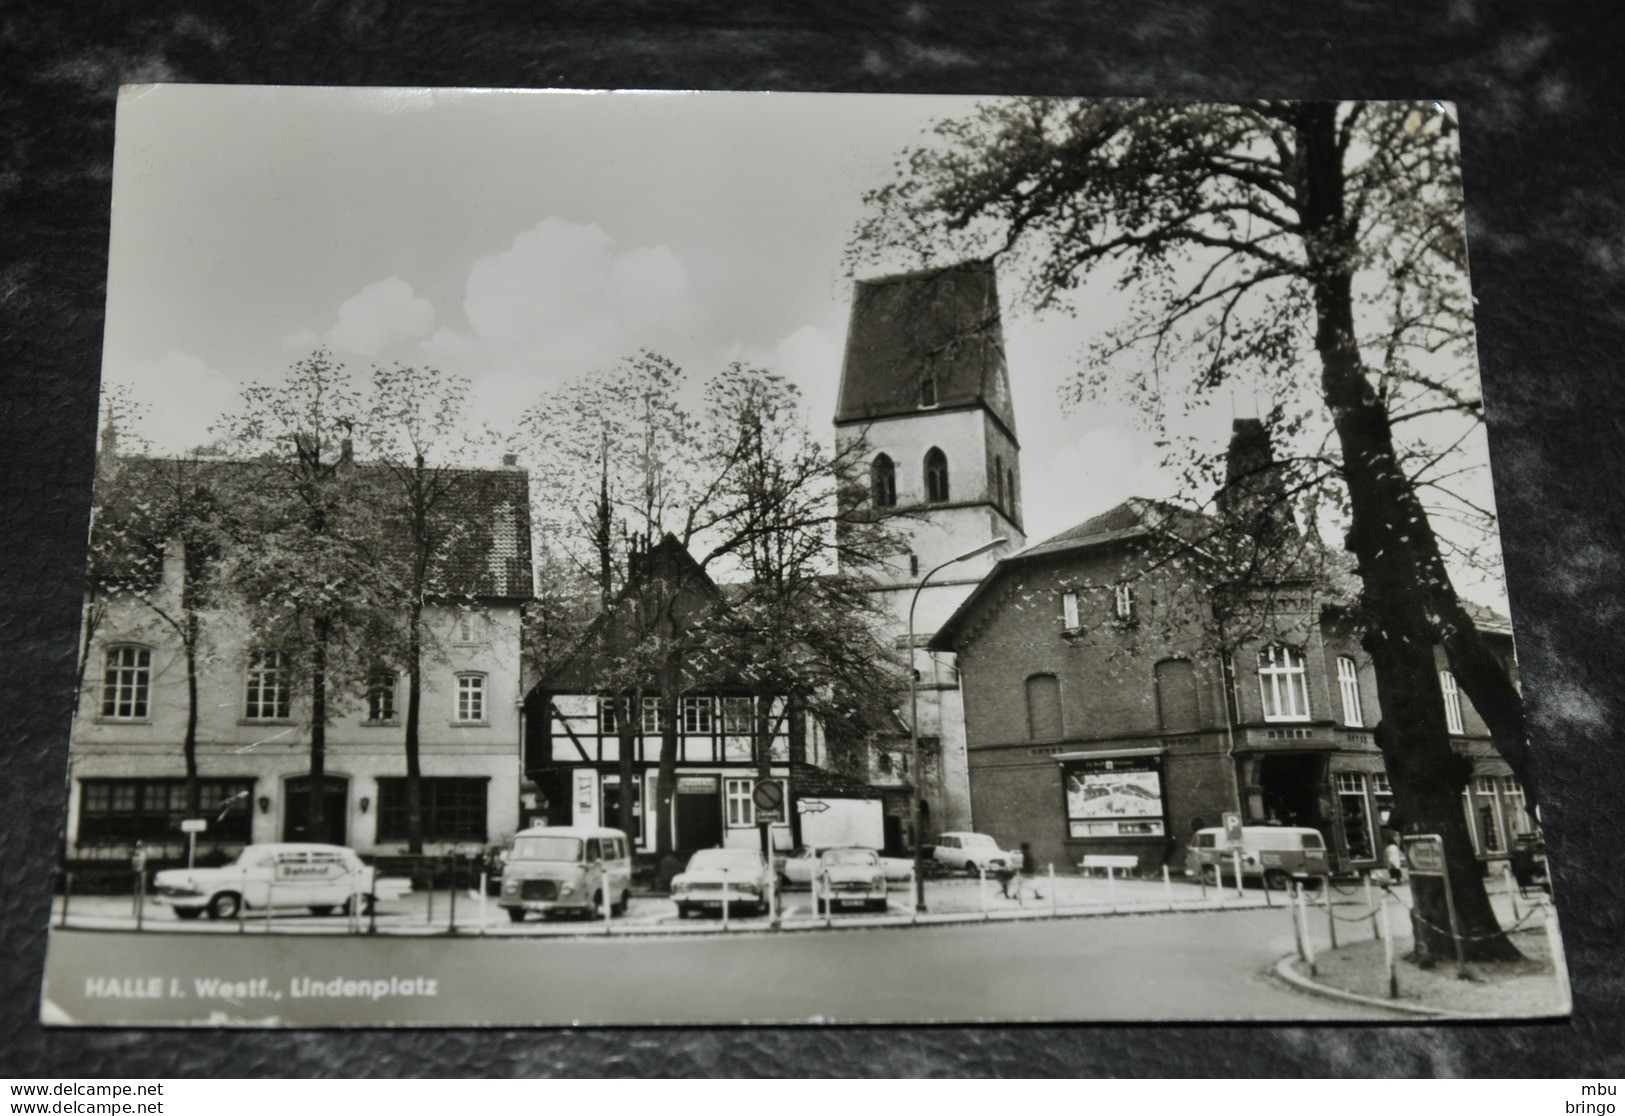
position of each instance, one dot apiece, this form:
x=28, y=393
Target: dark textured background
x=1539, y=92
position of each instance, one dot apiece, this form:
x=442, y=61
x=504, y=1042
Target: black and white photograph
x=656, y=558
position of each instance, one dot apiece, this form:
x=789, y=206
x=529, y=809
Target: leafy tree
x=303, y=531
x=1246, y=237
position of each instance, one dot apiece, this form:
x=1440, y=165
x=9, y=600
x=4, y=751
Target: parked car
x=801, y=865
x=973, y=853
x=566, y=868
x=850, y=876
x=1274, y=852
x=714, y=877
x=323, y=878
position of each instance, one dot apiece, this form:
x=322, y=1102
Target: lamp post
x=914, y=717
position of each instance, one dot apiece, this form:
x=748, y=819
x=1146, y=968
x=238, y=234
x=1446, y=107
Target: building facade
x=1102, y=716
x=253, y=733
x=925, y=402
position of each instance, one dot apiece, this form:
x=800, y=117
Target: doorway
x=1292, y=784
x=296, y=809
x=699, y=813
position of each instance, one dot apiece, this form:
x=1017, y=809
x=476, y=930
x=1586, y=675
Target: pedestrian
x=1394, y=858
x=1029, y=866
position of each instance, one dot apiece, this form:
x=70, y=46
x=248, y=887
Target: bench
x=1111, y=862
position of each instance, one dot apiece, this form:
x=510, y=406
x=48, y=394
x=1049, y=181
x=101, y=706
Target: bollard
x=913, y=896
x=1388, y=951
x=451, y=915
x=67, y=891
x=829, y=903
x=1218, y=881
x=242, y=905
x=1201, y=880
x=1167, y=887
x=1331, y=916
x=372, y=903
x=607, y=900
x=1054, y=899
x=484, y=883
x=725, y=900
x=981, y=873
x=1111, y=887
x=270, y=889
x=1369, y=904
x=1308, y=938
x=1240, y=894
x=1512, y=891
x=140, y=896
x=1297, y=931
x=429, y=879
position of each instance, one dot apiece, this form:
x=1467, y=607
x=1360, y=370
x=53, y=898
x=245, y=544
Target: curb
x=1283, y=969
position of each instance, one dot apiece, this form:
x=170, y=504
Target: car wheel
x=596, y=911
x=1275, y=879
x=367, y=905
x=515, y=914
x=619, y=910
x=188, y=912
x=971, y=869
x=1210, y=875
x=682, y=910
x=225, y=905
x=321, y=911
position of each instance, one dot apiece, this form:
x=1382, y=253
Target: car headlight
x=878, y=881
x=511, y=887
x=679, y=886
x=567, y=889
x=747, y=888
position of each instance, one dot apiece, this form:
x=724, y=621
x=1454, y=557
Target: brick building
x=1102, y=715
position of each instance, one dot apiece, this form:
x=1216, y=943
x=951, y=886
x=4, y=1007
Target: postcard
x=588, y=558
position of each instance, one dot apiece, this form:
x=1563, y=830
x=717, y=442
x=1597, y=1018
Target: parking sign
x=1232, y=830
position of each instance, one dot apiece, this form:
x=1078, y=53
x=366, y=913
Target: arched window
x=883, y=482
x=1452, y=701
x=127, y=683
x=1043, y=707
x=1348, y=686
x=998, y=482
x=1283, y=683
x=1178, y=701
x=936, y=476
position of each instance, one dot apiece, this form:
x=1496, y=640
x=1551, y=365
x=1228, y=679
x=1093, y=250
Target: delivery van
x=566, y=868
x=1274, y=853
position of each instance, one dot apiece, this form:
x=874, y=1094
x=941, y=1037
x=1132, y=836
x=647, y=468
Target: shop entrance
x=699, y=812
x=296, y=809
x=1291, y=786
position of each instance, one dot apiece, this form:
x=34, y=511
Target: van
x=574, y=868
x=1274, y=852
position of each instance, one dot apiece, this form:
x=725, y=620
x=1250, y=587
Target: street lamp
x=914, y=718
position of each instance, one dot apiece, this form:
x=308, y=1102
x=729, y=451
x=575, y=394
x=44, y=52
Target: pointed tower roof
x=940, y=325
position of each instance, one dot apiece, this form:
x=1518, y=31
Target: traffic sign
x=194, y=825
x=1232, y=830
x=1425, y=854
x=768, y=795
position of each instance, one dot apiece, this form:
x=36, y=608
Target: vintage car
x=555, y=869
x=973, y=853
x=322, y=878
x=717, y=877
x=847, y=876
x=1273, y=853
x=798, y=869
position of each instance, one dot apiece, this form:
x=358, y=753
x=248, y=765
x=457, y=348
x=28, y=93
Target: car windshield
x=566, y=849
x=850, y=856
x=735, y=860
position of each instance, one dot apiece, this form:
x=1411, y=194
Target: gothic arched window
x=998, y=482
x=936, y=476
x=883, y=482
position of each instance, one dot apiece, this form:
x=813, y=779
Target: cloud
x=182, y=397
x=380, y=316
x=808, y=358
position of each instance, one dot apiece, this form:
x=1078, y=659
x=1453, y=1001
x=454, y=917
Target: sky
x=523, y=238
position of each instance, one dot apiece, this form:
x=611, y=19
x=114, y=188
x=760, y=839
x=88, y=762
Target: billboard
x=1119, y=797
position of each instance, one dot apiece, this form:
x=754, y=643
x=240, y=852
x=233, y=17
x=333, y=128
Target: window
x=928, y=391
x=1178, y=701
x=883, y=482
x=1348, y=685
x=1283, y=684
x=1383, y=793
x=1123, y=602
x=1069, y=610
x=736, y=793
x=468, y=627
x=1010, y=489
x=1351, y=802
x=381, y=697
x=127, y=683
x=736, y=716
x=1517, y=807
x=651, y=715
x=936, y=476
x=698, y=715
x=998, y=481
x=453, y=809
x=1489, y=812
x=270, y=689
x=1452, y=701
x=1043, y=707
x=606, y=715
x=470, y=698
x=122, y=811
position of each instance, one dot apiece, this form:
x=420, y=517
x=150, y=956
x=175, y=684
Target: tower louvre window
x=998, y=482
x=883, y=482
x=928, y=391
x=936, y=476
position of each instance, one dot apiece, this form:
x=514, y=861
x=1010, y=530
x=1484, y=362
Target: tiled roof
x=1133, y=518
x=943, y=323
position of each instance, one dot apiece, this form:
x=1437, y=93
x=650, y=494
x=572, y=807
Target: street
x=1194, y=966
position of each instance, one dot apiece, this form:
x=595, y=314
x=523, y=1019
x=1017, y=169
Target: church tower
x=925, y=395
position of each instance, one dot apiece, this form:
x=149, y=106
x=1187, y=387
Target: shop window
x=123, y=811
x=883, y=482
x=936, y=476
x=453, y=809
x=741, y=810
x=1348, y=687
x=1178, y=699
x=1284, y=684
x=1452, y=701
x=1352, y=804
x=127, y=683
x=1044, y=707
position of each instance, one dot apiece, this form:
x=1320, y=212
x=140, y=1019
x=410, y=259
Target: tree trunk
x=189, y=741
x=669, y=705
x=628, y=733
x=1428, y=776
x=414, y=712
x=316, y=801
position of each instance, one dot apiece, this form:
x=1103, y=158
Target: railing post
x=270, y=892
x=725, y=900
x=1331, y=916
x=484, y=883
x=1512, y=892
x=1167, y=887
x=140, y=896
x=981, y=874
x=67, y=891
x=913, y=896
x=1054, y=899
x=1308, y=938
x=1111, y=887
x=1388, y=950
x=451, y=917
x=1240, y=883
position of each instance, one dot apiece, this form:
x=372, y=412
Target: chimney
x=510, y=461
